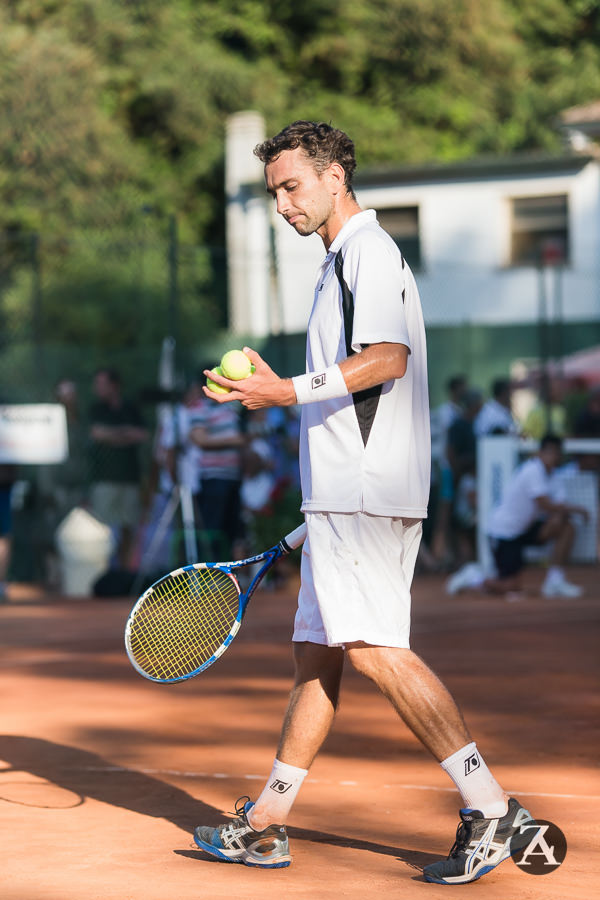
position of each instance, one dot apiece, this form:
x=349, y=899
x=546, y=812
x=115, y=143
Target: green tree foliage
x=113, y=118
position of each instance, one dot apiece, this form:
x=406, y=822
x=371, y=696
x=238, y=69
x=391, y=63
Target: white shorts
x=356, y=575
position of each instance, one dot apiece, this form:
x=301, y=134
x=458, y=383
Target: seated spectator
x=528, y=515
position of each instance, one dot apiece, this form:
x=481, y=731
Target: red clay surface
x=103, y=775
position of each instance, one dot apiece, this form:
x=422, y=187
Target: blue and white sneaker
x=481, y=844
x=237, y=842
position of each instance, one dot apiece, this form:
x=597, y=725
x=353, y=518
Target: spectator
x=8, y=474
x=116, y=432
x=548, y=414
x=435, y=549
x=496, y=415
x=461, y=451
x=216, y=429
x=528, y=515
x=587, y=424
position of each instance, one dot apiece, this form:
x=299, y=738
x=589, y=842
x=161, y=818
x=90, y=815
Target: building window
x=402, y=224
x=540, y=231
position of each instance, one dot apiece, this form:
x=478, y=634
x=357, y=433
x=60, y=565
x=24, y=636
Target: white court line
x=403, y=787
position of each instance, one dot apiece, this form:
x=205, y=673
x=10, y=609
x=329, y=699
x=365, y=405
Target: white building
x=507, y=242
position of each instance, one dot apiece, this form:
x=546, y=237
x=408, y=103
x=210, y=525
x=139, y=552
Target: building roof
x=587, y=114
x=483, y=169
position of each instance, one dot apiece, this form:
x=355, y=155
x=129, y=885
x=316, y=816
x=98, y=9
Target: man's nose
x=282, y=202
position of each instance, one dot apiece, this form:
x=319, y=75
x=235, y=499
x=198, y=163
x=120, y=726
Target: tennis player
x=365, y=461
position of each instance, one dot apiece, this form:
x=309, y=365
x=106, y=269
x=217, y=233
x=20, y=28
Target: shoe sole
x=465, y=879
x=281, y=863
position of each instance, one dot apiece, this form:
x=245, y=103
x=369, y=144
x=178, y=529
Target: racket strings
x=183, y=621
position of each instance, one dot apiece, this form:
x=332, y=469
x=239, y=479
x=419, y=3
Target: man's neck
x=330, y=229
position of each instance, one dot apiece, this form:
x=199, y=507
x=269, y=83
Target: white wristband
x=315, y=386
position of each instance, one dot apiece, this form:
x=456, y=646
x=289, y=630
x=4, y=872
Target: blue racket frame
x=290, y=542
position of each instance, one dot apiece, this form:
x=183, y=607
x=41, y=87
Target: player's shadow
x=91, y=776
x=94, y=777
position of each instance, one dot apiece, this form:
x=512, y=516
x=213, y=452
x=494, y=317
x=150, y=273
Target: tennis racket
x=186, y=620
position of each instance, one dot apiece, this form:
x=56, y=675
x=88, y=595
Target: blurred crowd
x=153, y=472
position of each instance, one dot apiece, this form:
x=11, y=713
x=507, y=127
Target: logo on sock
x=472, y=763
x=280, y=787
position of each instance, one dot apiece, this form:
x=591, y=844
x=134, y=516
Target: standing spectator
x=548, y=414
x=8, y=474
x=217, y=431
x=587, y=424
x=435, y=549
x=496, y=415
x=461, y=451
x=116, y=432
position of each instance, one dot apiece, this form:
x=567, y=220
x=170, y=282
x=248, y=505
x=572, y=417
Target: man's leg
x=490, y=819
x=417, y=694
x=307, y=722
x=560, y=529
x=252, y=838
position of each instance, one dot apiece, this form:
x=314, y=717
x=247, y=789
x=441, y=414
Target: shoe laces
x=240, y=804
x=463, y=836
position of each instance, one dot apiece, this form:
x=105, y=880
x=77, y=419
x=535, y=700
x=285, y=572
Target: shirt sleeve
x=538, y=485
x=374, y=275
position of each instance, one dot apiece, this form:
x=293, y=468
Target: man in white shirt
x=496, y=415
x=529, y=515
x=365, y=466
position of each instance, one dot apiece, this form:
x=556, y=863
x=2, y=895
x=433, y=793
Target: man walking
x=364, y=458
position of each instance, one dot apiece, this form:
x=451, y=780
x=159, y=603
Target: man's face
x=304, y=198
x=551, y=456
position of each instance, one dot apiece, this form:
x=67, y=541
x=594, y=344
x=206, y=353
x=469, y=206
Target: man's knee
x=315, y=660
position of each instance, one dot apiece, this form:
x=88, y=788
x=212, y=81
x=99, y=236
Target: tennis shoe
x=560, y=587
x=481, y=844
x=238, y=842
x=468, y=576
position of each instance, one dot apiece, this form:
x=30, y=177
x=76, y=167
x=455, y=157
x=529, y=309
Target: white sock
x=555, y=573
x=278, y=795
x=478, y=787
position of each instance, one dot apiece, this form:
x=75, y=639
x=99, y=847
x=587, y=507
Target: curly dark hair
x=321, y=143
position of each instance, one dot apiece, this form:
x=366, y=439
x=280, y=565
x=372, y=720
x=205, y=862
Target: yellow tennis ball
x=213, y=386
x=236, y=365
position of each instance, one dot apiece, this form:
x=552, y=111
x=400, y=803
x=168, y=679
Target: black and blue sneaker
x=481, y=844
x=237, y=842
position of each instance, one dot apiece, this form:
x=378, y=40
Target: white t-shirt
x=518, y=509
x=494, y=417
x=368, y=455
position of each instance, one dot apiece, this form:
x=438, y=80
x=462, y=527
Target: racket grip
x=295, y=537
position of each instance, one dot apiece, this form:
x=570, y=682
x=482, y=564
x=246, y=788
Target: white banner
x=33, y=433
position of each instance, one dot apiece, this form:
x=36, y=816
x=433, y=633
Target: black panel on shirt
x=367, y=401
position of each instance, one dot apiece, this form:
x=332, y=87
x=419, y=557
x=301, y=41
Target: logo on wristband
x=280, y=787
x=318, y=381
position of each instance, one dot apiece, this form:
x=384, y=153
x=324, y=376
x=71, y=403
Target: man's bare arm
x=376, y=364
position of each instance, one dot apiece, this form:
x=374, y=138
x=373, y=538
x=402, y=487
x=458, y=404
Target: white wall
x=465, y=234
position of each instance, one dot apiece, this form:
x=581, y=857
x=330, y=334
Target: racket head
x=183, y=623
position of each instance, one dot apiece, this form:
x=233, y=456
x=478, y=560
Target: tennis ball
x=213, y=386
x=236, y=365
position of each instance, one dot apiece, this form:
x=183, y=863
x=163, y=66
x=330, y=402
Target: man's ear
x=337, y=177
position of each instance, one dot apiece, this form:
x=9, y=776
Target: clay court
x=103, y=775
